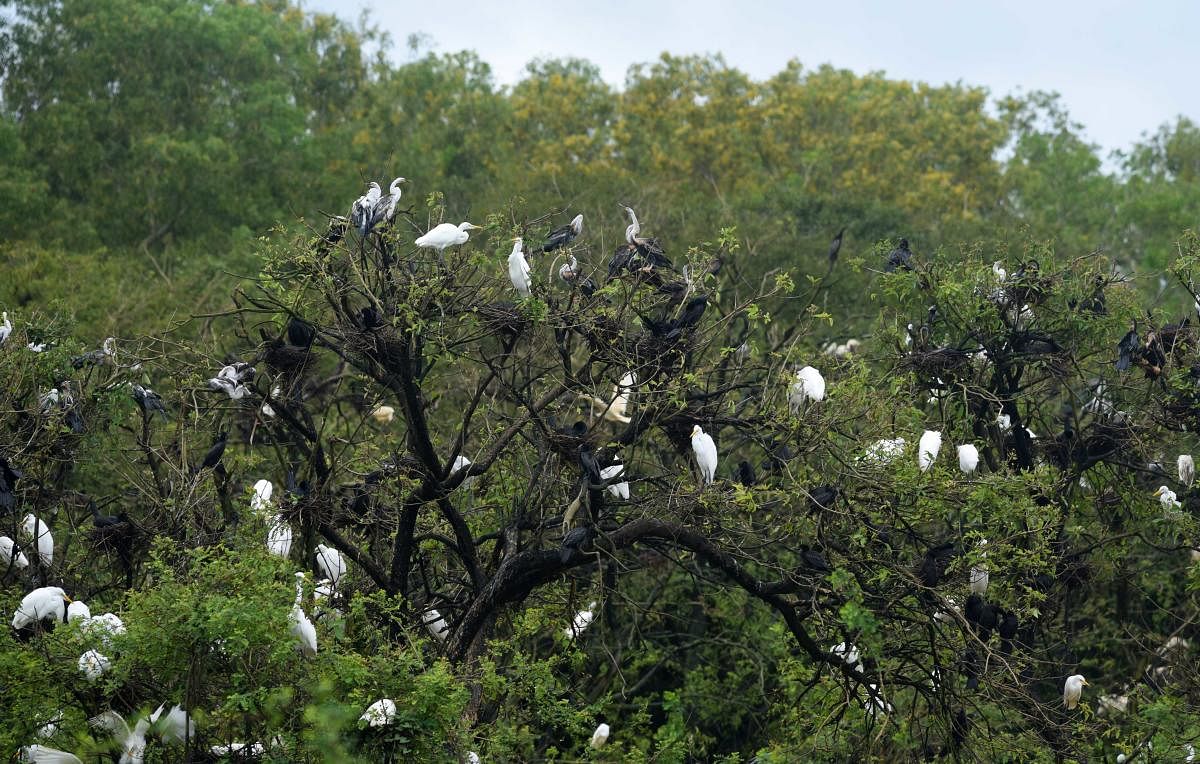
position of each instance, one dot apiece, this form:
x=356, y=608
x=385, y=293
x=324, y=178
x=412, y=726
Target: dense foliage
x=457, y=443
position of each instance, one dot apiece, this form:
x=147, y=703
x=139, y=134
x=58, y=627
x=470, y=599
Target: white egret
x=360, y=211
x=968, y=458
x=581, y=621
x=250, y=751
x=5, y=327
x=50, y=728
x=1073, y=689
x=518, y=269
x=1187, y=469
x=330, y=561
x=927, y=449
x=174, y=726
x=706, y=453
x=37, y=347
x=875, y=701
x=266, y=407
x=380, y=713
x=461, y=463
x=77, y=610
x=446, y=235
x=37, y=529
x=1004, y=422
x=132, y=741
x=617, y=490
x=279, y=538
x=383, y=414
x=998, y=271
x=302, y=628
x=323, y=590
x=40, y=754
x=846, y=651
x=103, y=627
x=979, y=572
x=600, y=736
x=436, y=625
x=384, y=209
x=809, y=386
x=40, y=604
x=7, y=558
x=262, y=495
x=883, y=451
x=93, y=664
x=473, y=758
x=1167, y=498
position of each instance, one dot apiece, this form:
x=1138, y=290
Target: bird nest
x=503, y=318
x=945, y=363
x=285, y=358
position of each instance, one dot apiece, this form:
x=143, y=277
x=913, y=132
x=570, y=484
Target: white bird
x=1187, y=469
x=5, y=327
x=380, y=713
x=40, y=604
x=968, y=458
x=235, y=390
x=1073, y=689
x=581, y=621
x=37, y=347
x=1167, y=498
x=979, y=573
x=93, y=664
x=998, y=270
x=617, y=490
x=1113, y=704
x=50, y=728
x=266, y=406
x=302, y=628
x=809, y=386
x=132, y=742
x=40, y=754
x=104, y=627
x=446, y=235
x=927, y=449
x=883, y=451
x=77, y=610
x=473, y=758
x=330, y=561
x=600, y=736
x=461, y=463
x=383, y=414
x=384, y=209
x=37, y=529
x=279, y=538
x=173, y=727
x=1004, y=422
x=436, y=625
x=262, y=495
x=7, y=546
x=360, y=211
x=250, y=751
x=706, y=453
x=518, y=269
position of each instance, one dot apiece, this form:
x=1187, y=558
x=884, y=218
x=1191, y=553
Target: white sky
x=1123, y=68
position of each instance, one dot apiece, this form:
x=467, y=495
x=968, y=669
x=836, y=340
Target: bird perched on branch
x=446, y=235
x=360, y=210
x=518, y=269
x=561, y=237
x=706, y=454
x=899, y=257
x=148, y=401
x=383, y=209
x=835, y=246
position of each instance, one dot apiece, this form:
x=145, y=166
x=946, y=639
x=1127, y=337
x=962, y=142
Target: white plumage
x=846, y=651
x=461, y=463
x=581, y=621
x=174, y=726
x=979, y=572
x=7, y=546
x=927, y=449
x=40, y=604
x=40, y=754
x=5, y=327
x=77, y=610
x=518, y=269
x=35, y=528
x=93, y=664
x=279, y=538
x=809, y=386
x=446, y=235
x=968, y=458
x=706, y=453
x=360, y=211
x=262, y=495
x=302, y=628
x=1073, y=689
x=383, y=414
x=383, y=210
x=883, y=451
x=380, y=713
x=600, y=736
x=1187, y=469
x=103, y=627
x=1167, y=498
x=330, y=561
x=132, y=742
x=618, y=490
x=436, y=625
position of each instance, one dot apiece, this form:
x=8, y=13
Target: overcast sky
x=1123, y=68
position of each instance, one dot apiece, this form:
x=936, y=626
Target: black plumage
x=576, y=540
x=1127, y=349
x=102, y=521
x=369, y=318
x=835, y=246
x=148, y=401
x=745, y=474
x=822, y=498
x=564, y=235
x=213, y=457
x=300, y=333
x=899, y=257
x=1007, y=628
x=671, y=329
x=9, y=475
x=587, y=461
x=933, y=566
x=814, y=560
